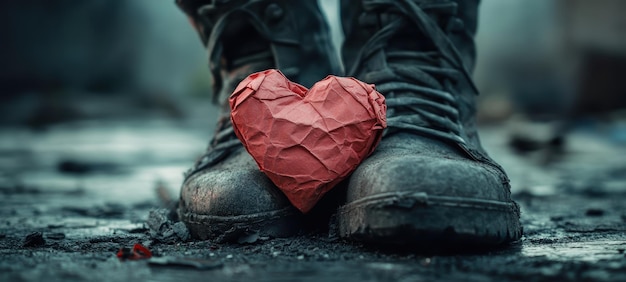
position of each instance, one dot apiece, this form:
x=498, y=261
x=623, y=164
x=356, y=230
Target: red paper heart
x=307, y=141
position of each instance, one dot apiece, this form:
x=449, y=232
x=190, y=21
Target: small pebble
x=594, y=212
x=34, y=239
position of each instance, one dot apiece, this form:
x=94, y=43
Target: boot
x=224, y=193
x=429, y=182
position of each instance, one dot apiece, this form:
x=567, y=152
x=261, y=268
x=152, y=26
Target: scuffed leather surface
x=407, y=162
x=233, y=187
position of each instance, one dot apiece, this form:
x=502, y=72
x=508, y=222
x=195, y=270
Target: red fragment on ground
x=137, y=252
x=307, y=141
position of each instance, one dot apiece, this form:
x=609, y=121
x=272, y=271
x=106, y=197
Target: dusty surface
x=88, y=189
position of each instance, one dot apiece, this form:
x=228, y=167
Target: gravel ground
x=73, y=195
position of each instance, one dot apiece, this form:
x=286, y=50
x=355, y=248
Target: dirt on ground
x=72, y=196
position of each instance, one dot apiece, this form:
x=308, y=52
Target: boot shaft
x=420, y=54
x=459, y=23
x=245, y=36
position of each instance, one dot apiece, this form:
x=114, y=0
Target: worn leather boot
x=225, y=193
x=429, y=182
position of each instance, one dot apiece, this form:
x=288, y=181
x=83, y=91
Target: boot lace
x=225, y=141
x=418, y=87
x=215, y=48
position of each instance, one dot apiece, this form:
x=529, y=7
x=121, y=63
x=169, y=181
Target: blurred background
x=67, y=60
x=550, y=59
x=103, y=85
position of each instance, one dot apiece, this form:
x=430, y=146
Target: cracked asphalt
x=72, y=195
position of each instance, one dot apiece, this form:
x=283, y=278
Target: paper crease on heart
x=307, y=141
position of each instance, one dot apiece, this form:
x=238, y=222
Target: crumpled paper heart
x=307, y=141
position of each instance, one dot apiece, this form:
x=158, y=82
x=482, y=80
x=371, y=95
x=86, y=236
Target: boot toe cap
x=235, y=197
x=233, y=188
x=432, y=175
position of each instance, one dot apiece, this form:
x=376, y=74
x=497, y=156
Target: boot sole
x=279, y=223
x=434, y=221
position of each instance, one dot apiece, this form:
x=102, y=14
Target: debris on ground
x=34, y=239
x=137, y=252
x=164, y=229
